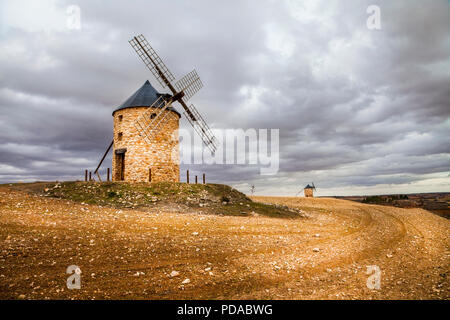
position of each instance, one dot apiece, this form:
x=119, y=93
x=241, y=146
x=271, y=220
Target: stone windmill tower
x=309, y=190
x=135, y=159
x=145, y=144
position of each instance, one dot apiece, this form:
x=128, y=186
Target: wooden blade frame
x=152, y=60
x=147, y=126
x=164, y=76
x=190, y=84
x=202, y=128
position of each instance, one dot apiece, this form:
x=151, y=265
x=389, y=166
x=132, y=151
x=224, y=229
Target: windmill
x=308, y=190
x=150, y=123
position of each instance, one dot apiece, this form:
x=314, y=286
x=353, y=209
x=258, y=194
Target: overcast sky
x=359, y=111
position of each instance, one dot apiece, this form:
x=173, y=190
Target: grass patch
x=206, y=198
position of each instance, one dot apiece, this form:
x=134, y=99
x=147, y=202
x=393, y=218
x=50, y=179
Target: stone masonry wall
x=309, y=193
x=161, y=155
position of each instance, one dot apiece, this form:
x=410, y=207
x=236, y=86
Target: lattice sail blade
x=189, y=84
x=153, y=119
x=201, y=127
x=152, y=60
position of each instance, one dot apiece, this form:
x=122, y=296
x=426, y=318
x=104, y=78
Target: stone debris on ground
x=132, y=253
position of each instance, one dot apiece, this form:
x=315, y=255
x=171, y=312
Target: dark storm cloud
x=354, y=107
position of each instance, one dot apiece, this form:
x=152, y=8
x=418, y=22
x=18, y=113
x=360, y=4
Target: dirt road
x=130, y=254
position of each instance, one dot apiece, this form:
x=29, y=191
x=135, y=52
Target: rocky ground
x=217, y=199
x=132, y=253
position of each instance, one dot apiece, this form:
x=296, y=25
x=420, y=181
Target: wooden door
x=120, y=158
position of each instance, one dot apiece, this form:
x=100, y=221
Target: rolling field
x=149, y=253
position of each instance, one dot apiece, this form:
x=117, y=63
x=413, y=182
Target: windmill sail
x=152, y=60
x=190, y=84
x=153, y=119
x=182, y=91
x=202, y=128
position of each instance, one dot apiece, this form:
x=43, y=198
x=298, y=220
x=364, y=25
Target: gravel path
x=130, y=254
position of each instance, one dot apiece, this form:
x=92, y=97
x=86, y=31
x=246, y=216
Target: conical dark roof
x=309, y=187
x=145, y=96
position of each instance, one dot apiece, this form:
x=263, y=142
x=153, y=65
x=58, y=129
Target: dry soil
x=132, y=254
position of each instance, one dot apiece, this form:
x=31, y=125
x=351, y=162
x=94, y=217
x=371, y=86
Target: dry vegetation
x=128, y=251
x=436, y=202
x=159, y=197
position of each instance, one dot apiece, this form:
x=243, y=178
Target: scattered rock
x=316, y=249
x=186, y=281
x=174, y=274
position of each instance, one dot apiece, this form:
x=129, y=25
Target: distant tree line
x=383, y=199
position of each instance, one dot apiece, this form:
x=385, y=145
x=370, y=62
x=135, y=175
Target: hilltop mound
x=164, y=196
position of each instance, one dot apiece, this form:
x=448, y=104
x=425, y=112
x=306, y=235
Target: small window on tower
x=119, y=136
x=120, y=118
x=153, y=116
